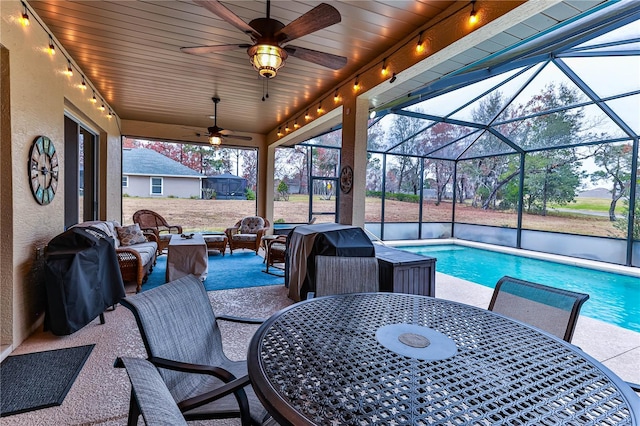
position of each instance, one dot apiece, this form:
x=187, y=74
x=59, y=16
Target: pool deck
x=617, y=348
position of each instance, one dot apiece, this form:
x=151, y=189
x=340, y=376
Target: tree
x=283, y=190
x=615, y=162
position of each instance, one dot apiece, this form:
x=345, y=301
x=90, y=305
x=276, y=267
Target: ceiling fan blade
x=328, y=60
x=319, y=17
x=223, y=12
x=242, y=138
x=201, y=50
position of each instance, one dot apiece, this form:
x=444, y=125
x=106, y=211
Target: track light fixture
x=385, y=69
x=286, y=127
x=393, y=78
x=473, y=17
x=24, y=20
x=420, y=45
x=320, y=110
x=295, y=124
x=279, y=131
x=336, y=97
x=307, y=116
x=110, y=113
x=83, y=85
x=356, y=83
x=52, y=48
x=69, y=70
x=94, y=100
x=101, y=108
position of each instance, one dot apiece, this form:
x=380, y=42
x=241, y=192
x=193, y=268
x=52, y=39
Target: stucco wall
x=40, y=96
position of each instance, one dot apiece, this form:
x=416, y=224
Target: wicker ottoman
x=216, y=242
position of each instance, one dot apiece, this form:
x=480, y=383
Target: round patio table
x=390, y=358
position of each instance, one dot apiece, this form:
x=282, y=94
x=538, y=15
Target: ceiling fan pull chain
x=265, y=95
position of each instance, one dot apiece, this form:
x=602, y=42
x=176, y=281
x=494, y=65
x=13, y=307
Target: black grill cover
x=82, y=279
x=351, y=242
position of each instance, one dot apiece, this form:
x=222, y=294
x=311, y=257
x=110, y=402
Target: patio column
x=355, y=113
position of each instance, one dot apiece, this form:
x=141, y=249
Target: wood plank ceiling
x=130, y=51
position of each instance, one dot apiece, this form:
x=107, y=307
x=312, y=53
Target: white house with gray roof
x=147, y=173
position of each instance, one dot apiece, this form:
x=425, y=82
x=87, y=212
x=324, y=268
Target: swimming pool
x=614, y=298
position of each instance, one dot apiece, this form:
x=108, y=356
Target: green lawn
x=591, y=204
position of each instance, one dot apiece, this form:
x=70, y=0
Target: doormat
x=40, y=379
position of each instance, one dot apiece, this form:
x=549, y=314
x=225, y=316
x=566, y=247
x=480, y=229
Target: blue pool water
x=614, y=298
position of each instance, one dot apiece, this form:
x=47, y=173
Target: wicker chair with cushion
x=277, y=250
x=181, y=335
x=247, y=233
x=153, y=222
x=551, y=309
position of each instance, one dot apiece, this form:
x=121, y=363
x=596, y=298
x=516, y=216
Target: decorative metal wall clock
x=43, y=170
x=346, y=179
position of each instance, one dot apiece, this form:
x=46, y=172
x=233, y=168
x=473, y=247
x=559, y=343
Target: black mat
x=39, y=380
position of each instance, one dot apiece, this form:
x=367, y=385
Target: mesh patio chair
x=182, y=338
x=151, y=221
x=550, y=309
x=345, y=274
x=247, y=233
x=150, y=394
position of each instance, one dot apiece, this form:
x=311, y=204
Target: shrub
x=251, y=195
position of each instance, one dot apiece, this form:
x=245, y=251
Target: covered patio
x=425, y=88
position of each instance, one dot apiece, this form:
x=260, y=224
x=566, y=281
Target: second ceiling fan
x=216, y=134
x=268, y=53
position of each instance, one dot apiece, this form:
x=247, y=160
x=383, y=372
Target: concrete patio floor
x=100, y=394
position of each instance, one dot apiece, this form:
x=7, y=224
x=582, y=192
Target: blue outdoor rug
x=238, y=270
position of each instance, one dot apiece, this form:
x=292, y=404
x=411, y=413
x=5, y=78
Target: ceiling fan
x=217, y=134
x=267, y=53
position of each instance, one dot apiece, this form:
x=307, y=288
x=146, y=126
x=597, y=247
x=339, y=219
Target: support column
x=355, y=115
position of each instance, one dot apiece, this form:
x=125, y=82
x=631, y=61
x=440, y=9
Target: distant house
x=227, y=186
x=147, y=173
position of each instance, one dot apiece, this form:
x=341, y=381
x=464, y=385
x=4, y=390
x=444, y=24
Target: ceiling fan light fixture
x=215, y=140
x=267, y=59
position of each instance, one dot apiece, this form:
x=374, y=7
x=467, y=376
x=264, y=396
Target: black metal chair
x=182, y=338
x=551, y=309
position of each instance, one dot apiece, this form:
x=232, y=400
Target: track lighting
x=473, y=17
x=393, y=78
x=52, y=48
x=420, y=45
x=356, y=83
x=295, y=124
x=69, y=70
x=94, y=100
x=336, y=97
x=24, y=20
x=320, y=110
x=286, y=127
x=385, y=69
x=279, y=131
x=83, y=85
x=307, y=116
x=101, y=108
x=110, y=113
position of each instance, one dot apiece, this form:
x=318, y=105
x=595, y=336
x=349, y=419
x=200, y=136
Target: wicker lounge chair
x=247, y=233
x=152, y=222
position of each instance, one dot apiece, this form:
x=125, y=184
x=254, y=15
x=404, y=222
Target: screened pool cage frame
x=608, y=34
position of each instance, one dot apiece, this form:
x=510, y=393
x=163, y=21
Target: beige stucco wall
x=40, y=95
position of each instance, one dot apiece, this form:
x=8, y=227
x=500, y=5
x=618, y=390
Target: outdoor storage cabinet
x=82, y=279
x=404, y=272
